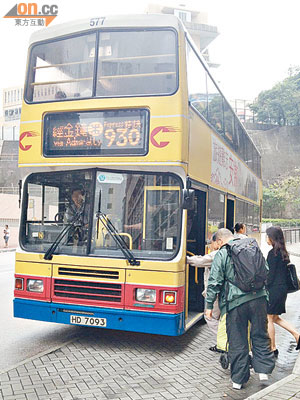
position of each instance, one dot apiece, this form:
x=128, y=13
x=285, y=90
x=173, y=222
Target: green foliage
x=281, y=104
x=282, y=222
x=278, y=196
x=273, y=202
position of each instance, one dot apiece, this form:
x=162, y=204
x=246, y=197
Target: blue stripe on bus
x=134, y=321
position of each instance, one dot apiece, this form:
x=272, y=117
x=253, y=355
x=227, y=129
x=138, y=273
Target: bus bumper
x=134, y=321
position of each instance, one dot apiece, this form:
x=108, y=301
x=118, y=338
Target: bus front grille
x=95, y=291
x=89, y=273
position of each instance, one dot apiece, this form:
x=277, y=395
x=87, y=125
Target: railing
x=291, y=235
x=200, y=27
x=9, y=157
x=11, y=222
x=9, y=190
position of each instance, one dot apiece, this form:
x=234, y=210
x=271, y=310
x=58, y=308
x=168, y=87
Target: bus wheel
x=224, y=361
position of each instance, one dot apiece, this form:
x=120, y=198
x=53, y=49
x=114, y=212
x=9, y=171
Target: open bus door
x=230, y=213
x=195, y=245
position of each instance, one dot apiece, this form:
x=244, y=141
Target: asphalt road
x=20, y=338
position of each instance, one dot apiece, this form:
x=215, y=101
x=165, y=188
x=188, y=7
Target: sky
x=257, y=42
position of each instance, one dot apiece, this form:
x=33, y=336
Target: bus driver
x=76, y=212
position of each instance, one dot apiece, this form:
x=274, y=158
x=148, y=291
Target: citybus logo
x=29, y=14
x=23, y=136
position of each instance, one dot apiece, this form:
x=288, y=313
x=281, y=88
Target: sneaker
x=263, y=377
x=237, y=386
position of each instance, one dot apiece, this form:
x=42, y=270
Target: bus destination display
x=96, y=133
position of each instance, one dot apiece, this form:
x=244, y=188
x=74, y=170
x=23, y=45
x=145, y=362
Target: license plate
x=90, y=321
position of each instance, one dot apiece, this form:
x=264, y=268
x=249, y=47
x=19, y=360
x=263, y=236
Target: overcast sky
x=257, y=44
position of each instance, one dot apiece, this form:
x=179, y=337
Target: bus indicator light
x=169, y=297
x=19, y=283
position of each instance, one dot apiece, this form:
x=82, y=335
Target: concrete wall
x=280, y=150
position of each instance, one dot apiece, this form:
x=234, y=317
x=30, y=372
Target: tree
x=274, y=203
x=282, y=199
x=281, y=104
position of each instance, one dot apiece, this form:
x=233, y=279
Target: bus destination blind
x=96, y=133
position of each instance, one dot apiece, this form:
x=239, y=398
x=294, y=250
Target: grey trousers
x=263, y=360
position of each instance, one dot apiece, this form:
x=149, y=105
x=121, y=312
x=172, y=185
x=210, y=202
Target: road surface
x=20, y=338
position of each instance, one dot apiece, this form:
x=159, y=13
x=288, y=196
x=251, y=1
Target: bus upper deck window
x=62, y=69
x=137, y=63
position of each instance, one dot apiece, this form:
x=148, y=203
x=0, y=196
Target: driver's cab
x=90, y=212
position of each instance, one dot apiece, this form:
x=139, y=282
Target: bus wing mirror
x=188, y=199
x=20, y=193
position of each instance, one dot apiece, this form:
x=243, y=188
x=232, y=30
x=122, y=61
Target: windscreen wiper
x=111, y=229
x=61, y=235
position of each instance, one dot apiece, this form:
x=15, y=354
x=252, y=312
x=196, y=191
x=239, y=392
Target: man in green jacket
x=241, y=308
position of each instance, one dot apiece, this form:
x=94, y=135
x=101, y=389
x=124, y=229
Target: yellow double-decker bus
x=136, y=158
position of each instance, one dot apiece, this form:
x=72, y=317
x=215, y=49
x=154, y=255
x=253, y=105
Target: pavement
x=6, y=249
x=288, y=387
x=106, y=364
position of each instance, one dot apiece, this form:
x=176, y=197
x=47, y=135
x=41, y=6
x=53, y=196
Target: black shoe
x=298, y=344
x=214, y=348
x=276, y=352
x=250, y=362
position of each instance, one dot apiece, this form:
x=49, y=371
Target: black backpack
x=250, y=271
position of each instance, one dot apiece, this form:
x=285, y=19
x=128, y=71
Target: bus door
x=230, y=213
x=196, y=225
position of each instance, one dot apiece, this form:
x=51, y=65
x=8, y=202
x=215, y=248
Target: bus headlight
x=146, y=295
x=35, y=285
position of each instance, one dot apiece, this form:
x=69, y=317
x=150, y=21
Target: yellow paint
x=34, y=269
x=170, y=111
x=187, y=268
x=98, y=262
x=200, y=144
x=199, y=149
x=189, y=147
x=155, y=278
x=147, y=277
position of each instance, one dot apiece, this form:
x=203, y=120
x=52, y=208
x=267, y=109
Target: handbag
x=293, y=283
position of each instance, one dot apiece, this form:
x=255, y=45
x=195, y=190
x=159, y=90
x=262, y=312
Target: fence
x=291, y=235
x=9, y=189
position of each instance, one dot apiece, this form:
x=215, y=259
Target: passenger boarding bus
x=136, y=159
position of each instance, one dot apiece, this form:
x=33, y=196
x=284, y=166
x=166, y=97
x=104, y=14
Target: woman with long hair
x=277, y=259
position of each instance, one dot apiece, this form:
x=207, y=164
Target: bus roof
x=112, y=21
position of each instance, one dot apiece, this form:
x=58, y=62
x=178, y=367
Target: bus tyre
x=224, y=361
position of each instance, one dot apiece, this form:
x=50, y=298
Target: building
x=10, y=122
x=196, y=23
x=9, y=139
x=12, y=103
